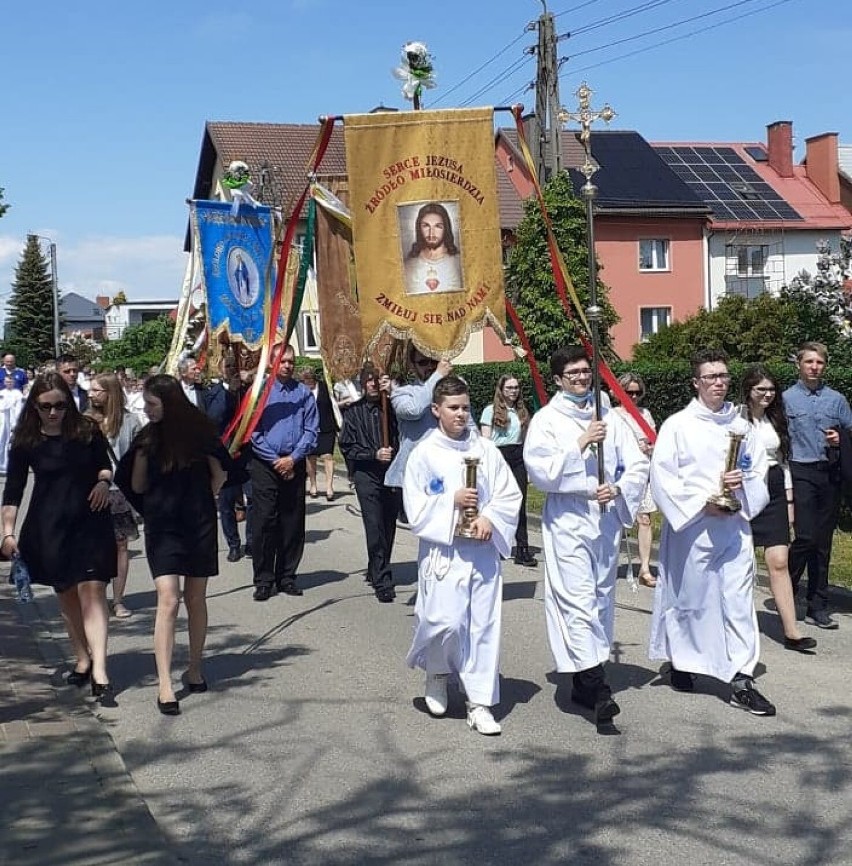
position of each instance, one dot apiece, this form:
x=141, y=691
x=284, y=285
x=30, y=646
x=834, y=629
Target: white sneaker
x=479, y=719
x=436, y=694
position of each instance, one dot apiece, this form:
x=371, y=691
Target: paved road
x=313, y=745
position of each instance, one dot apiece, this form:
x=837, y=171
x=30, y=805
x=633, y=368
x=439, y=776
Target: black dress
x=181, y=531
x=63, y=541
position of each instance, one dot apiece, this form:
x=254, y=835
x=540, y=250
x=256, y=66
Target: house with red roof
x=767, y=213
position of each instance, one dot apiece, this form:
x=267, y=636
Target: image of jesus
x=433, y=264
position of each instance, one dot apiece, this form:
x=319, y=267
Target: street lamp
x=55, y=287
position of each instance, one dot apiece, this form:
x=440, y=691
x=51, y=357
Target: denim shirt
x=809, y=414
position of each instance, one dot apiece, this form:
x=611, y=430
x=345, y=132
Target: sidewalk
x=65, y=794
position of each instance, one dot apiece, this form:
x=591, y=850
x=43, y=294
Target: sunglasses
x=50, y=407
x=634, y=393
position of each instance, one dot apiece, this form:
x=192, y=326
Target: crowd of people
x=727, y=478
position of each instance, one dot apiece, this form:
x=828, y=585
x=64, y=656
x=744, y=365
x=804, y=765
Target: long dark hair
x=183, y=435
x=449, y=239
x=501, y=408
x=74, y=425
x=774, y=411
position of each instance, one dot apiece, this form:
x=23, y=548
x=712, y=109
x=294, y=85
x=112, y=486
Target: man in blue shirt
x=815, y=415
x=18, y=375
x=285, y=434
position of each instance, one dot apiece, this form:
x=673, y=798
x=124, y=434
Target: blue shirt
x=511, y=434
x=289, y=424
x=17, y=374
x=809, y=414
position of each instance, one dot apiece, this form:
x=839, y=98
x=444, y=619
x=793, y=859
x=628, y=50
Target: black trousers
x=816, y=492
x=514, y=456
x=277, y=523
x=591, y=684
x=379, y=509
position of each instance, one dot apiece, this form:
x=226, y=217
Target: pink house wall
x=680, y=288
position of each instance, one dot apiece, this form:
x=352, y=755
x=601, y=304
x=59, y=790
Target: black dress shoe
x=524, y=557
x=196, y=688
x=168, y=708
x=606, y=709
x=103, y=693
x=386, y=594
x=682, y=681
x=288, y=587
x=799, y=644
x=79, y=678
x=234, y=554
x=262, y=592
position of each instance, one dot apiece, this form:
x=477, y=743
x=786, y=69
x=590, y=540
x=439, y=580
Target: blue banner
x=235, y=254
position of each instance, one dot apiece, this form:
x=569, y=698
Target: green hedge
x=669, y=386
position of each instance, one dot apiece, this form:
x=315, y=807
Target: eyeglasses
x=763, y=390
x=511, y=388
x=709, y=378
x=51, y=407
x=576, y=375
x=634, y=393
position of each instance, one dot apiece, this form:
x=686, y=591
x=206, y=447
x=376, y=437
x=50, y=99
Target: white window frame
x=656, y=323
x=309, y=325
x=736, y=253
x=659, y=246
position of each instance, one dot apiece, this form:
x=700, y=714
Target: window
x=653, y=254
x=310, y=332
x=651, y=319
x=750, y=260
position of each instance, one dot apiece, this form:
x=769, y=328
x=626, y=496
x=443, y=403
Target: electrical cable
x=575, y=8
x=681, y=36
x=621, y=16
x=497, y=80
x=479, y=69
x=663, y=28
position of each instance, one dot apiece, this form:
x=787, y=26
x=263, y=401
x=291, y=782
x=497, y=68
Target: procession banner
x=425, y=226
x=236, y=269
x=341, y=339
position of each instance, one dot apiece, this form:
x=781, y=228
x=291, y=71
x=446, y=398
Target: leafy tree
x=30, y=328
x=140, y=347
x=3, y=207
x=529, y=275
x=750, y=329
x=120, y=298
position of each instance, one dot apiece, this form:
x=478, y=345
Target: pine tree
x=3, y=207
x=529, y=274
x=30, y=328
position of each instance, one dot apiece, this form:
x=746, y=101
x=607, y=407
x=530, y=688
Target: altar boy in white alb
x=704, y=620
x=459, y=585
x=582, y=538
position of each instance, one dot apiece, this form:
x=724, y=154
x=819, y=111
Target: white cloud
x=145, y=268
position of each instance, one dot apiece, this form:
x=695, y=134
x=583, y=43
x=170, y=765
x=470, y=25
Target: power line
x=479, y=69
x=575, y=8
x=680, y=37
x=663, y=28
x=621, y=16
x=498, y=79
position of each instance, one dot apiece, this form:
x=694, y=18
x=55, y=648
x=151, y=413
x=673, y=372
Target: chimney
x=779, y=138
x=822, y=165
x=102, y=301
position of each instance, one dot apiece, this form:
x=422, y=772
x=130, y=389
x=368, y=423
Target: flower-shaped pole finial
x=416, y=71
x=237, y=178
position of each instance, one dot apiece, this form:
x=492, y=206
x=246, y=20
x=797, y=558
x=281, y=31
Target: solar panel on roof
x=758, y=154
x=727, y=184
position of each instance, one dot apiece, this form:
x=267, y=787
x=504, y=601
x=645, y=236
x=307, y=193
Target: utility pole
x=546, y=128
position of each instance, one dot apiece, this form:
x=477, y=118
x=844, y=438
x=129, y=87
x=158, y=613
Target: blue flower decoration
x=745, y=462
x=436, y=486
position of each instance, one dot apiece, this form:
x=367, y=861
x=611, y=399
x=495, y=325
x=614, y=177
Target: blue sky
x=105, y=103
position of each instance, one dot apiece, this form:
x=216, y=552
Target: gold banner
x=426, y=226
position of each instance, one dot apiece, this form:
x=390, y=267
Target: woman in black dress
x=66, y=539
x=771, y=528
x=173, y=469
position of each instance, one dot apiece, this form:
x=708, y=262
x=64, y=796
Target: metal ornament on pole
x=586, y=116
